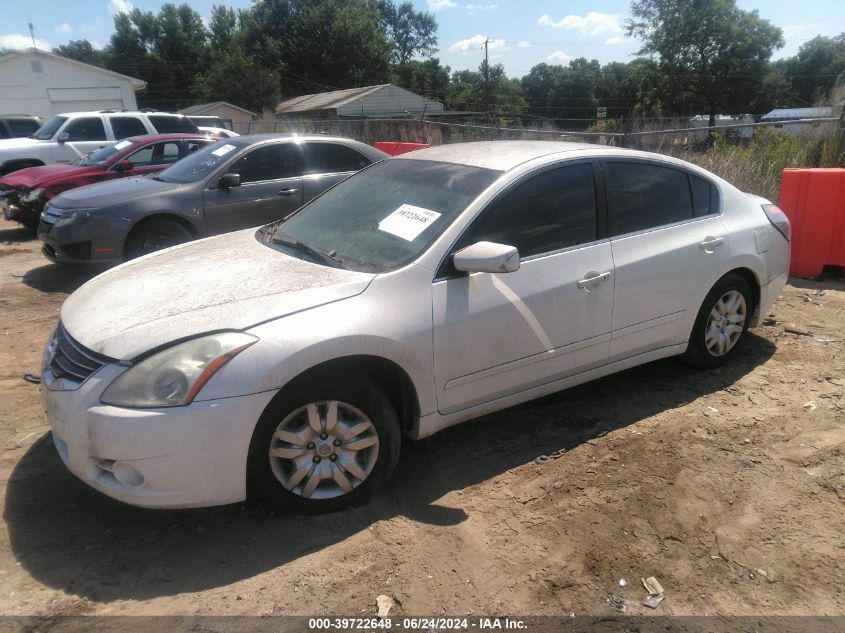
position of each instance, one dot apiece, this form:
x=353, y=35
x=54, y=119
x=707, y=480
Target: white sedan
x=426, y=290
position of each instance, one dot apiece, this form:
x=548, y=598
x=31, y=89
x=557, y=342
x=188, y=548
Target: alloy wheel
x=726, y=323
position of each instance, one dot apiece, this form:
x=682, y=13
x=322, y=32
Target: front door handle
x=591, y=278
x=286, y=192
x=711, y=243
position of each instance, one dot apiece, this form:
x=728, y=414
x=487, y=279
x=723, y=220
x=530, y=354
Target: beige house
x=33, y=81
x=384, y=100
x=239, y=118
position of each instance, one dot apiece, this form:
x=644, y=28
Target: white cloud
x=17, y=42
x=559, y=57
x=63, y=28
x=524, y=45
x=434, y=5
x=617, y=39
x=476, y=43
x=120, y=6
x=593, y=23
x=472, y=9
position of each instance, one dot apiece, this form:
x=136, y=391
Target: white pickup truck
x=66, y=137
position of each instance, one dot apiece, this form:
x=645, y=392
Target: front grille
x=71, y=361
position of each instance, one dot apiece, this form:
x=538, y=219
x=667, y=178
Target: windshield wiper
x=327, y=258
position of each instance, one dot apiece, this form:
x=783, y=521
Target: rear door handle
x=711, y=243
x=287, y=192
x=592, y=278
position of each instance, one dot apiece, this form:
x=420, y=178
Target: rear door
x=499, y=334
x=271, y=188
x=669, y=247
x=327, y=164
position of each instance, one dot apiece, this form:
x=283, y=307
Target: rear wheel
x=153, y=235
x=324, y=446
x=722, y=322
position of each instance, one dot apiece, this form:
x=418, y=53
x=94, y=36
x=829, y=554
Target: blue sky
x=522, y=33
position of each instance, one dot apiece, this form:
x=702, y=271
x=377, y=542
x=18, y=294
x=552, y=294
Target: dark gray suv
x=233, y=184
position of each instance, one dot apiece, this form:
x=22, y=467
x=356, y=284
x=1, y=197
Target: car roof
x=119, y=113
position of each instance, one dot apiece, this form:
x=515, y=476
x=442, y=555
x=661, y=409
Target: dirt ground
x=728, y=486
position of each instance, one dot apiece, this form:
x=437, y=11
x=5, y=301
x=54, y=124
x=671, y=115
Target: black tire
x=361, y=394
x=153, y=235
x=697, y=353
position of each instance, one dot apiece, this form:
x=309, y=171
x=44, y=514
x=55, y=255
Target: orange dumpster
x=394, y=149
x=814, y=202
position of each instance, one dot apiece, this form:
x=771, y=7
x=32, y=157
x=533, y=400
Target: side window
x=193, y=146
x=155, y=154
x=171, y=124
x=645, y=195
x=550, y=211
x=705, y=199
x=269, y=162
x=85, y=129
x=329, y=158
x=22, y=127
x=126, y=126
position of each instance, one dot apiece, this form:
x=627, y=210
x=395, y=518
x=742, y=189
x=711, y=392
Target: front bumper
x=177, y=457
x=92, y=241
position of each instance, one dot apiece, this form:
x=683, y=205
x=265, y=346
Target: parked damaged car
x=24, y=193
x=236, y=183
x=428, y=289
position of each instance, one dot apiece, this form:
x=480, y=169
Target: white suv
x=66, y=137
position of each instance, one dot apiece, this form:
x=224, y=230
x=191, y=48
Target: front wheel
x=324, y=446
x=154, y=235
x=722, y=322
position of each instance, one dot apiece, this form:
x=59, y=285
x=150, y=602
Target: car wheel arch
x=162, y=215
x=386, y=374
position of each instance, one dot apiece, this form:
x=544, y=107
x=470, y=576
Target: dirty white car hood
x=226, y=282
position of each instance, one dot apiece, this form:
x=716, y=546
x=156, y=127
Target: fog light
x=127, y=474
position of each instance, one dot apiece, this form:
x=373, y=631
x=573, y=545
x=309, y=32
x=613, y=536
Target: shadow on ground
x=17, y=234
x=73, y=539
x=63, y=278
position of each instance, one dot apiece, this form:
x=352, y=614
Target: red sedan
x=23, y=193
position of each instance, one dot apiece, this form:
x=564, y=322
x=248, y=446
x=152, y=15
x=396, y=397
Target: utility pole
x=32, y=34
x=486, y=62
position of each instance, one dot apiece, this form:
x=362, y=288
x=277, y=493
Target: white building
x=384, y=100
x=37, y=82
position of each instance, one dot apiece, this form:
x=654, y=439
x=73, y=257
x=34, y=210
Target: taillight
x=778, y=219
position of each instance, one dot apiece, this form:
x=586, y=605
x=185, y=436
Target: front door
x=84, y=135
x=271, y=188
x=499, y=334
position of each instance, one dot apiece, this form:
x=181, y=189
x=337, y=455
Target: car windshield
x=385, y=216
x=46, y=131
x=202, y=162
x=102, y=155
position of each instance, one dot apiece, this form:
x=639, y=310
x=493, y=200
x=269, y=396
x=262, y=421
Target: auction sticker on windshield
x=122, y=144
x=222, y=151
x=408, y=221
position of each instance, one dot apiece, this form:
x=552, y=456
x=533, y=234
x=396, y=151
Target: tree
x=81, y=51
x=713, y=53
x=427, y=78
x=222, y=30
x=492, y=92
x=411, y=33
x=237, y=79
x=167, y=51
x=813, y=71
x=318, y=45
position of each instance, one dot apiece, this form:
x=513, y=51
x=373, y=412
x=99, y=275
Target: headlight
x=174, y=376
x=32, y=196
x=68, y=216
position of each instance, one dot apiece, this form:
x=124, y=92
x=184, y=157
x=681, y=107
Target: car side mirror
x=124, y=165
x=63, y=138
x=227, y=181
x=487, y=257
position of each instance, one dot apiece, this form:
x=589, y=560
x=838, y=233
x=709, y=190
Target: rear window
x=171, y=124
x=126, y=126
x=705, y=200
x=329, y=158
